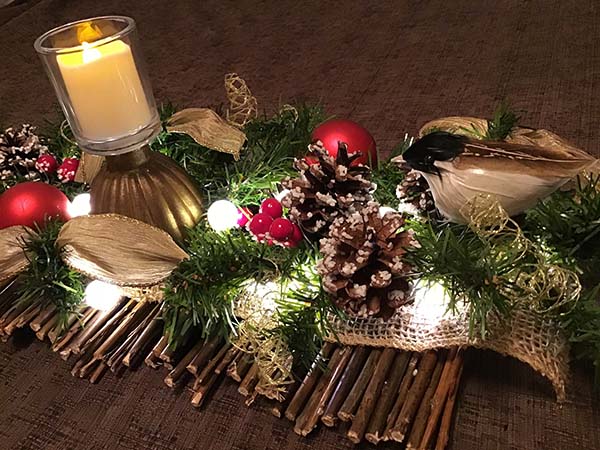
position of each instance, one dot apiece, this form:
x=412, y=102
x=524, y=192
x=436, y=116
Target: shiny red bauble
x=281, y=229
x=31, y=204
x=260, y=224
x=356, y=137
x=272, y=207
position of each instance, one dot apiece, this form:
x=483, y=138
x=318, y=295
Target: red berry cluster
x=48, y=164
x=269, y=225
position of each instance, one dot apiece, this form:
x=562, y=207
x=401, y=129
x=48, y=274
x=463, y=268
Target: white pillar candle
x=105, y=90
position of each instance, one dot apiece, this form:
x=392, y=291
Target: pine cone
x=327, y=189
x=362, y=265
x=415, y=192
x=19, y=151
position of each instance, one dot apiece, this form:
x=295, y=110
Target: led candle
x=105, y=90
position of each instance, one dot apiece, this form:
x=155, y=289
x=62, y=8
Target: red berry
x=244, y=216
x=46, y=163
x=281, y=229
x=297, y=234
x=272, y=207
x=67, y=170
x=260, y=224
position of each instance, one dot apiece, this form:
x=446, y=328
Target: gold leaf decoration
x=13, y=260
x=207, y=128
x=119, y=250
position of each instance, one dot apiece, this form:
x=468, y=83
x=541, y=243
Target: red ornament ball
x=281, y=229
x=260, y=224
x=67, y=170
x=46, y=163
x=32, y=203
x=356, y=137
x=272, y=207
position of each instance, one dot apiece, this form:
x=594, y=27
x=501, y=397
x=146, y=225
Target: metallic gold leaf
x=207, y=128
x=13, y=259
x=119, y=250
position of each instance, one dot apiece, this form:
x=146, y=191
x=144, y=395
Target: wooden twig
x=214, y=361
x=367, y=405
x=203, y=390
x=311, y=378
x=240, y=366
x=231, y=354
x=355, y=364
x=98, y=372
x=278, y=409
x=249, y=382
x=203, y=354
x=407, y=380
x=23, y=318
x=176, y=375
x=144, y=340
x=444, y=432
x=418, y=425
x=447, y=381
x=43, y=317
x=315, y=407
x=75, y=328
x=350, y=405
x=414, y=397
x=386, y=400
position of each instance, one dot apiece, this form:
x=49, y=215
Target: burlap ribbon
x=119, y=250
x=13, y=259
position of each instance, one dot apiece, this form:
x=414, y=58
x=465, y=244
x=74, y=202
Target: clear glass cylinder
x=98, y=72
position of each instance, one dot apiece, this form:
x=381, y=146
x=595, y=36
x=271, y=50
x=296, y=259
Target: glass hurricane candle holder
x=98, y=72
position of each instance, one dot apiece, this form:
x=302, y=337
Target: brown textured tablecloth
x=389, y=65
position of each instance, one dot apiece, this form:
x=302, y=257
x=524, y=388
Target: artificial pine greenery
x=387, y=176
x=502, y=124
x=48, y=280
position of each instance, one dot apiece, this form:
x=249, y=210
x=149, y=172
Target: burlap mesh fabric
x=527, y=337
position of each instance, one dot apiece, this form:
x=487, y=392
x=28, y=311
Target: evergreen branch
x=504, y=121
x=48, y=280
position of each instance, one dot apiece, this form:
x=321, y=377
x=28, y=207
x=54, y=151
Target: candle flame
x=86, y=32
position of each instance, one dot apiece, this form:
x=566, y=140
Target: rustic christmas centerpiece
x=342, y=285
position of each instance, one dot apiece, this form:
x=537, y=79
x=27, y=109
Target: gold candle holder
x=101, y=82
x=150, y=187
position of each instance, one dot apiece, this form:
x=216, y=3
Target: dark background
x=388, y=65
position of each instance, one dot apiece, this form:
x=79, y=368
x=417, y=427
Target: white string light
x=80, y=206
x=102, y=296
x=223, y=215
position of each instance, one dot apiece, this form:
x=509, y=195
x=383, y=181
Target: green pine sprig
x=388, y=175
x=48, y=280
x=503, y=123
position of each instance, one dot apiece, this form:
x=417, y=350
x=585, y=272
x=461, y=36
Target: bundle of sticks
x=382, y=394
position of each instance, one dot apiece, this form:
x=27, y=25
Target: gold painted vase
x=150, y=187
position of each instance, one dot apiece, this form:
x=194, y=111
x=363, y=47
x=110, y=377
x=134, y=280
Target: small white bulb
x=102, y=296
x=222, y=215
x=80, y=206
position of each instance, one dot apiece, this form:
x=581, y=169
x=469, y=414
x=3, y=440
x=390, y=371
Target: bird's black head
x=436, y=146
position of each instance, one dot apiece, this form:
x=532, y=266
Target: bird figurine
x=518, y=175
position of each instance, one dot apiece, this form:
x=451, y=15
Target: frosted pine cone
x=363, y=267
x=328, y=189
x=19, y=151
x=415, y=193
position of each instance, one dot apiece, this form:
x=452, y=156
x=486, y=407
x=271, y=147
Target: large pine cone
x=327, y=189
x=19, y=150
x=415, y=193
x=363, y=268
